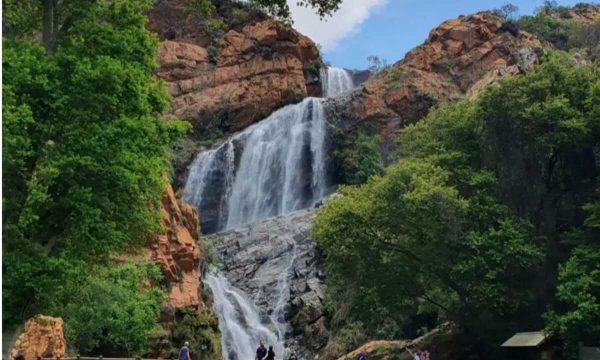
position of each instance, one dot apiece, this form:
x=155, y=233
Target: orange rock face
x=237, y=79
x=459, y=58
x=177, y=252
x=42, y=337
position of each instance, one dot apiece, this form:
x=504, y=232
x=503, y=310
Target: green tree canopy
x=85, y=158
x=488, y=197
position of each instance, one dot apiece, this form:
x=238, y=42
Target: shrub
x=239, y=17
x=361, y=158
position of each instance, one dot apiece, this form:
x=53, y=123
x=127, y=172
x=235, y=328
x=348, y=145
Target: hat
x=187, y=343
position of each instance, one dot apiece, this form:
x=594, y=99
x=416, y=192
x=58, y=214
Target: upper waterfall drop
x=335, y=81
x=271, y=168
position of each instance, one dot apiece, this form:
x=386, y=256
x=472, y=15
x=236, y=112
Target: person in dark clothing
x=271, y=354
x=184, y=352
x=261, y=351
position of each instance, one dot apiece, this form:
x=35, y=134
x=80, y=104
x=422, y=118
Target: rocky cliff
x=275, y=261
x=185, y=317
x=177, y=253
x=458, y=59
x=228, y=81
x=42, y=336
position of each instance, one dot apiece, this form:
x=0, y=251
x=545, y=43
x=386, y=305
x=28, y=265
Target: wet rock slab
x=277, y=264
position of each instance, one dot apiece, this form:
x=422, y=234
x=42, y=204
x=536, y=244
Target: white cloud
x=332, y=30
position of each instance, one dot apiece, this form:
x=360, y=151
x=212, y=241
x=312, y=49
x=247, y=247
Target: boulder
x=42, y=337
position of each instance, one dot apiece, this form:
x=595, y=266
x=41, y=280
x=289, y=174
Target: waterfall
x=239, y=321
x=271, y=168
x=335, y=81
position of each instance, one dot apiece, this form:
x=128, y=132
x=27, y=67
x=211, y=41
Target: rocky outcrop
x=186, y=315
x=274, y=254
x=42, y=337
x=177, y=253
x=459, y=58
x=235, y=79
x=580, y=13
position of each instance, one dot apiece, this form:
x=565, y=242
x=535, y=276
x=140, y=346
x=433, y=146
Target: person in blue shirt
x=261, y=351
x=362, y=356
x=184, y=353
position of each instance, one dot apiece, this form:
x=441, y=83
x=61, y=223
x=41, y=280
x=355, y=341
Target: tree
x=281, y=8
x=508, y=11
x=111, y=311
x=86, y=153
x=376, y=64
x=473, y=221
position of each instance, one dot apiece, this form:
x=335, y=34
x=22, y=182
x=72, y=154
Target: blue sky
x=388, y=28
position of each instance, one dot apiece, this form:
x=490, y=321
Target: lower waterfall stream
x=272, y=168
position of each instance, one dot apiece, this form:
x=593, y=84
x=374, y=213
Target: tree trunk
x=48, y=25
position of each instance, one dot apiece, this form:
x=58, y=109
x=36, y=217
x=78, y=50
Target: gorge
x=272, y=168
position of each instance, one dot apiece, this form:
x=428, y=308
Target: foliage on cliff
x=488, y=198
x=85, y=152
x=558, y=26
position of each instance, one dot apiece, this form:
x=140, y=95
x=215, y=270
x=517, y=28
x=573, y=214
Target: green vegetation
x=488, y=199
x=280, y=8
x=85, y=154
x=360, y=158
x=111, y=310
x=555, y=25
x=201, y=330
x=396, y=78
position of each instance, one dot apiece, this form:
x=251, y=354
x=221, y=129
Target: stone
x=42, y=337
x=177, y=253
x=459, y=59
x=255, y=256
x=231, y=81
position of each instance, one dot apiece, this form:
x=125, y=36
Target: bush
x=361, y=158
x=396, y=78
x=239, y=17
x=113, y=311
x=201, y=329
x=213, y=53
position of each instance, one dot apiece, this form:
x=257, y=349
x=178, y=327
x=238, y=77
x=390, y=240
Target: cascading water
x=272, y=168
x=335, y=81
x=239, y=321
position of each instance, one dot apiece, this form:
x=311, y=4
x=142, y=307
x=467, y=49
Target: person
x=415, y=355
x=362, y=356
x=261, y=352
x=293, y=356
x=271, y=354
x=286, y=351
x=184, y=353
